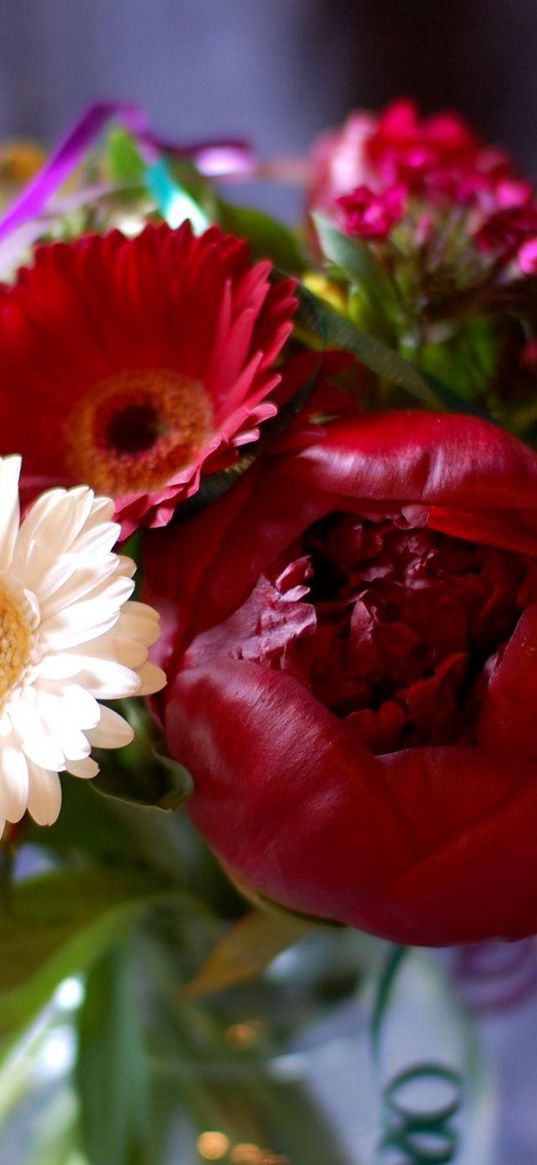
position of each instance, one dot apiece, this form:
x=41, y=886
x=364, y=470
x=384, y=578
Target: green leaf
x=468, y=359
x=140, y=773
x=58, y=924
x=87, y=824
x=123, y=156
x=268, y=238
x=324, y=327
x=161, y=783
x=356, y=261
x=246, y=950
x=111, y=1070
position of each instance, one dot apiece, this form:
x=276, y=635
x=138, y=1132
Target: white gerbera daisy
x=68, y=637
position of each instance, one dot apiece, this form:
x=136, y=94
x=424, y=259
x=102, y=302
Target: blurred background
x=276, y=71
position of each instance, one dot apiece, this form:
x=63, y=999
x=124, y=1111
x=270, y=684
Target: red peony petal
x=507, y=721
x=325, y=830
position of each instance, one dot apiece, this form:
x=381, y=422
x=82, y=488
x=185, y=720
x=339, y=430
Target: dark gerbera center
x=394, y=626
x=136, y=430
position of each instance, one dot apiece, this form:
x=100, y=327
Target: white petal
x=73, y=579
x=5, y=725
x=81, y=705
x=52, y=577
x=83, y=768
x=153, y=679
x=108, y=680
x=73, y=628
x=89, y=640
x=141, y=610
x=135, y=625
x=31, y=531
x=62, y=728
x=87, y=619
x=62, y=666
x=112, y=731
x=60, y=521
x=99, y=540
x=13, y=782
x=38, y=744
x=129, y=652
x=126, y=565
x=45, y=794
x=9, y=508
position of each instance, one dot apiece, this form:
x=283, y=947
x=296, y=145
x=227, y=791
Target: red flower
x=505, y=231
x=351, y=642
x=437, y=159
x=370, y=215
x=527, y=256
x=136, y=364
x=406, y=148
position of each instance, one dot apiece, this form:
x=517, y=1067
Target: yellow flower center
x=18, y=622
x=134, y=431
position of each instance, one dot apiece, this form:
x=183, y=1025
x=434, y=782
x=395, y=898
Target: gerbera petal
x=83, y=768
x=9, y=508
x=64, y=730
x=135, y=344
x=75, y=637
x=153, y=678
x=44, y=794
x=106, y=679
x=112, y=730
x=13, y=782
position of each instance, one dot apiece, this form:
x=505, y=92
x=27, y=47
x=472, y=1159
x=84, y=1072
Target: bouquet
x=268, y=597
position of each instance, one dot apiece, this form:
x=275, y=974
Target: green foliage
x=86, y=825
x=268, y=238
x=57, y=924
x=323, y=327
x=123, y=157
x=111, y=1070
x=245, y=950
x=140, y=773
x=372, y=298
x=162, y=784
x=467, y=360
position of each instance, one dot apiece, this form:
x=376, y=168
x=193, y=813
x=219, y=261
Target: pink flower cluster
x=370, y=171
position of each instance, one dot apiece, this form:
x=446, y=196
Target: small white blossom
x=69, y=636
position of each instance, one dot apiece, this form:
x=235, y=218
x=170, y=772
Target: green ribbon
x=421, y=1136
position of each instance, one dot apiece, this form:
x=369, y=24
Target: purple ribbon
x=212, y=158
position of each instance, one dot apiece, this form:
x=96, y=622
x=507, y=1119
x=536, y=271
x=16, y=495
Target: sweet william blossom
x=377, y=171
x=437, y=158
x=371, y=215
x=69, y=636
x=350, y=637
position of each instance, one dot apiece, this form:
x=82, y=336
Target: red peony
x=154, y=356
x=351, y=645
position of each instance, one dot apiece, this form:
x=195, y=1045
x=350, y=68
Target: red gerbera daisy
x=134, y=364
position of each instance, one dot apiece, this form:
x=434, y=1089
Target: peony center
x=393, y=625
x=18, y=622
x=137, y=429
